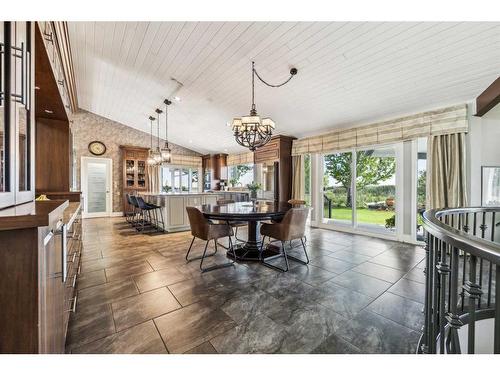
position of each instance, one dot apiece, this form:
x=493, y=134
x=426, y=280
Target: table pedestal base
x=251, y=252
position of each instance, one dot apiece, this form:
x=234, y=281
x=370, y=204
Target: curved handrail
x=460, y=239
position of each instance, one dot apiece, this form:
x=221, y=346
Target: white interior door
x=96, y=187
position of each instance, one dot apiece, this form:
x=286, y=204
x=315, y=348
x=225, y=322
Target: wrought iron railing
x=462, y=280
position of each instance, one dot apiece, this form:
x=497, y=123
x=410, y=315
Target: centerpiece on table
x=254, y=187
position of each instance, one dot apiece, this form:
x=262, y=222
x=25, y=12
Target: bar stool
x=130, y=215
x=150, y=214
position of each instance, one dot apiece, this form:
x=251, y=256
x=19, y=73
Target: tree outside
x=374, y=199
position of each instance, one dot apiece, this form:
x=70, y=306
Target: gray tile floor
x=136, y=294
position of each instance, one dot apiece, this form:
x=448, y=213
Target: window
x=337, y=187
x=359, y=188
x=179, y=179
x=307, y=179
x=241, y=175
x=421, y=184
x=376, y=187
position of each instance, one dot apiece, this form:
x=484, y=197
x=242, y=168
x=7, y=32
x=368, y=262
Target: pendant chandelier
x=166, y=153
x=152, y=153
x=251, y=131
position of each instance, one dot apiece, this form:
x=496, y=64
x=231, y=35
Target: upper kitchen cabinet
x=16, y=113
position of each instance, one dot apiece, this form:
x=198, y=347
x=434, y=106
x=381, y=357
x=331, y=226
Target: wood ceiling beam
x=488, y=99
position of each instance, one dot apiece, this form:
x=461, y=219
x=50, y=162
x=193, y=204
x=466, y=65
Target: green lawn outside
x=364, y=215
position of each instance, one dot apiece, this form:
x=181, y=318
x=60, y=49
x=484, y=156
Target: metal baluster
x=496, y=348
x=435, y=295
x=443, y=270
x=474, y=291
x=427, y=301
x=453, y=342
x=490, y=275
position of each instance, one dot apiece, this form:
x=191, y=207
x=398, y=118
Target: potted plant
x=254, y=187
x=390, y=222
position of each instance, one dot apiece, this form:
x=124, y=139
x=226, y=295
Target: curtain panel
x=447, y=178
x=154, y=183
x=298, y=183
x=448, y=120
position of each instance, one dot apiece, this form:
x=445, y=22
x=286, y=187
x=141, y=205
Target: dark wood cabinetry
x=214, y=171
x=16, y=111
x=39, y=263
x=278, y=154
x=135, y=171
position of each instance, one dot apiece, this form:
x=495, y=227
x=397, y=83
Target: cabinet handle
x=74, y=257
x=64, y=254
x=73, y=307
x=74, y=281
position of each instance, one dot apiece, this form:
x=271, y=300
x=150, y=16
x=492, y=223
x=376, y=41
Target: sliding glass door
x=337, y=188
x=359, y=189
x=376, y=188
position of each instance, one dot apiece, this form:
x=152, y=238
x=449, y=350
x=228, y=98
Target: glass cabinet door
x=7, y=125
x=22, y=96
x=130, y=173
x=141, y=174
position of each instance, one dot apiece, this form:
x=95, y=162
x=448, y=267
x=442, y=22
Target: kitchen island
x=174, y=205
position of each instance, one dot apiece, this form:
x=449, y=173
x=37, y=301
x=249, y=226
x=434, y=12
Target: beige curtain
x=154, y=183
x=298, y=186
x=447, y=179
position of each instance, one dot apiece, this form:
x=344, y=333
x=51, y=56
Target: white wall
x=484, y=149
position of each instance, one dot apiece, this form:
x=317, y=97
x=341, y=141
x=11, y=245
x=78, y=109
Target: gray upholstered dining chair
x=205, y=230
x=291, y=227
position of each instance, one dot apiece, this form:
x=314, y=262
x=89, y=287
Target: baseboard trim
x=116, y=214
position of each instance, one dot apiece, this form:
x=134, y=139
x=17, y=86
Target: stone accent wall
x=88, y=127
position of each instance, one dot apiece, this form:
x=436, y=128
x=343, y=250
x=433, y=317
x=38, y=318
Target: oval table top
x=245, y=211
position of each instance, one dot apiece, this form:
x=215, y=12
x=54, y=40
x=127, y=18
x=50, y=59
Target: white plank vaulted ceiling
x=350, y=73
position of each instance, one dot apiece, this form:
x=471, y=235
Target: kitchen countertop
x=32, y=214
x=215, y=192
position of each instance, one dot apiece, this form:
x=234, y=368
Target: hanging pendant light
x=157, y=153
x=251, y=131
x=151, y=159
x=166, y=154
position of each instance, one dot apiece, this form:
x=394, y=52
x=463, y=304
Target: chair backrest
x=222, y=202
x=297, y=202
x=140, y=202
x=198, y=223
x=293, y=225
x=133, y=201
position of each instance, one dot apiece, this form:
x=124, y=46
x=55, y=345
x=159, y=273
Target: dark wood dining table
x=252, y=213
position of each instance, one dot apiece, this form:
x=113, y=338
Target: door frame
x=109, y=197
x=353, y=226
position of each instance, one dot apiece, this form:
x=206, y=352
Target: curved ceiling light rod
x=293, y=71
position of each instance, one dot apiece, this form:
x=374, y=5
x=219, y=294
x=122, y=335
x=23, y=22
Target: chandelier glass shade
x=252, y=131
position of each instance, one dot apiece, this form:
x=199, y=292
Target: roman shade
x=186, y=160
x=448, y=120
x=242, y=158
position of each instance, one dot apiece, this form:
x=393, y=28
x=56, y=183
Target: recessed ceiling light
x=48, y=111
x=190, y=141
x=176, y=98
x=225, y=150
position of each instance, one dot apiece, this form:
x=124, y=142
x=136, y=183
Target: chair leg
x=162, y=222
x=236, y=235
x=280, y=255
x=199, y=257
x=190, y=246
x=206, y=269
x=305, y=253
